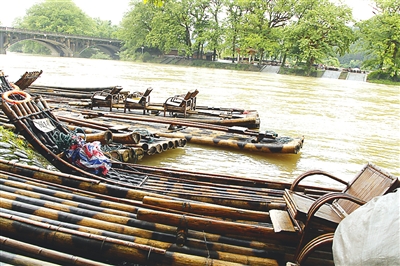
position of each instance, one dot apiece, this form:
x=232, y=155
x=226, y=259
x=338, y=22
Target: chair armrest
x=296, y=182
x=314, y=208
x=175, y=99
x=329, y=198
x=315, y=243
x=135, y=94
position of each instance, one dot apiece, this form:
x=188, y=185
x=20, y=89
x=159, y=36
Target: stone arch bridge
x=60, y=44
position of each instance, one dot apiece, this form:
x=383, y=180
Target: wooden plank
x=281, y=221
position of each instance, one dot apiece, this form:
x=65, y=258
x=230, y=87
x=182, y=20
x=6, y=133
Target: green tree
x=215, y=32
x=260, y=21
x=321, y=31
x=381, y=34
x=232, y=26
x=136, y=25
x=104, y=29
x=172, y=28
x=58, y=16
x=61, y=17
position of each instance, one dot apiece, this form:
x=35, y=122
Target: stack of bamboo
x=167, y=221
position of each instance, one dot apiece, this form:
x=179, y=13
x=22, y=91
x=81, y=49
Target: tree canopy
x=303, y=30
x=381, y=36
x=61, y=17
x=294, y=32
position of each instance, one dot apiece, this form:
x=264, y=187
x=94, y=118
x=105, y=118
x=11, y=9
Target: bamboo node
x=181, y=236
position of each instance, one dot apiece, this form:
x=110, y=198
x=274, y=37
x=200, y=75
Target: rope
x=64, y=141
x=149, y=137
x=112, y=147
x=205, y=242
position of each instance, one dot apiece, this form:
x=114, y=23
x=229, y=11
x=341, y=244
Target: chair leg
x=313, y=245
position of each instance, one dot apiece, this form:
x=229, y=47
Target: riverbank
x=15, y=149
x=245, y=66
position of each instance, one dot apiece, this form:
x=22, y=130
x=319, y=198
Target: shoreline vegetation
x=253, y=67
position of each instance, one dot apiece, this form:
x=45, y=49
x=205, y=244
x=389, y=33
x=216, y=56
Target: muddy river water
x=345, y=123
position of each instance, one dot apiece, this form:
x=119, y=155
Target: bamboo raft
x=81, y=97
x=226, y=223
x=139, y=214
x=237, y=138
x=156, y=222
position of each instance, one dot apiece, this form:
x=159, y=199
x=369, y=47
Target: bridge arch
x=59, y=44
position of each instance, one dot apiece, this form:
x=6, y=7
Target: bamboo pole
x=208, y=209
x=49, y=254
x=105, y=137
x=80, y=242
x=69, y=238
x=127, y=138
x=213, y=226
x=175, y=121
x=16, y=259
x=194, y=246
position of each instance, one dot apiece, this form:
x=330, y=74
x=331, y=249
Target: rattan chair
x=181, y=103
x=138, y=100
x=313, y=216
x=107, y=98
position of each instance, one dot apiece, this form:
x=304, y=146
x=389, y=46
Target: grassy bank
x=181, y=61
x=18, y=143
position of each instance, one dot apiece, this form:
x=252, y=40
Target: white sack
x=371, y=234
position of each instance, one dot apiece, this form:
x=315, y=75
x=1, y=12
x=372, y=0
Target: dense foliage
x=307, y=31
x=61, y=17
x=381, y=35
x=304, y=33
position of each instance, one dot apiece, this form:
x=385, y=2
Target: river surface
x=345, y=123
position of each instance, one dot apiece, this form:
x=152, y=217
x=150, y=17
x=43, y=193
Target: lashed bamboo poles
x=230, y=240
x=16, y=259
x=63, y=236
x=27, y=79
x=230, y=180
x=149, y=244
x=221, y=239
x=57, y=178
x=97, y=216
x=137, y=194
x=172, y=121
x=208, y=209
x=156, y=147
x=46, y=253
x=213, y=226
x=245, y=139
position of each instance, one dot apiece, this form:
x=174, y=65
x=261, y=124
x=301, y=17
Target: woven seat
x=107, y=98
x=181, y=103
x=138, y=100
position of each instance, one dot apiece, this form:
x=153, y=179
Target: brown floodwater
x=345, y=123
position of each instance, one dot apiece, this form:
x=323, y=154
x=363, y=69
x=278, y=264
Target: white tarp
x=371, y=234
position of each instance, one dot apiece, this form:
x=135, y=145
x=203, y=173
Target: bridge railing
x=55, y=34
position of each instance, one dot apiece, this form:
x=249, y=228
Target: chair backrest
x=116, y=90
x=145, y=94
x=369, y=183
x=188, y=96
x=194, y=93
